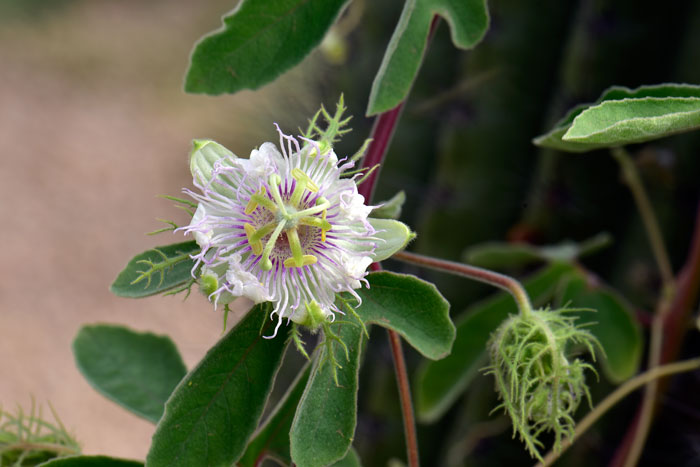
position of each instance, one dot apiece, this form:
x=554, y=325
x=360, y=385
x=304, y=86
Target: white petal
x=202, y=233
x=352, y=206
x=263, y=161
x=244, y=284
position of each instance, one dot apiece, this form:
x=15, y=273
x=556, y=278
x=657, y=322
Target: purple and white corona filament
x=282, y=227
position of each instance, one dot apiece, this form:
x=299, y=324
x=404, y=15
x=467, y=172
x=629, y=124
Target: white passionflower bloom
x=282, y=227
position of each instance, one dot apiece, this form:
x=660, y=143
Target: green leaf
x=157, y=270
x=351, y=459
x=440, y=383
x=497, y=255
x=258, y=41
x=91, y=461
x=412, y=307
x=136, y=370
x=622, y=116
x=390, y=209
x=468, y=21
x=271, y=440
x=612, y=323
x=216, y=407
x=324, y=423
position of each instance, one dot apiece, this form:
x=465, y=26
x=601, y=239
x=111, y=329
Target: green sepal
x=394, y=236
x=205, y=153
x=390, y=209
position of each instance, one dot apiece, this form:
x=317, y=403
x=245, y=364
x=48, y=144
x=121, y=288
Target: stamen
x=325, y=229
x=265, y=263
x=299, y=175
x=260, y=198
x=306, y=261
x=304, y=182
x=321, y=223
x=256, y=245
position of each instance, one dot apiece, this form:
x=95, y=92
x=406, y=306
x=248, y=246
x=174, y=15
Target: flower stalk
x=485, y=276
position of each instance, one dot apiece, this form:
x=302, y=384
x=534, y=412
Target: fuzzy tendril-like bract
x=538, y=380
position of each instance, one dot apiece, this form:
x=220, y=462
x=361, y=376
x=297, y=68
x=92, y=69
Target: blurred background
x=94, y=125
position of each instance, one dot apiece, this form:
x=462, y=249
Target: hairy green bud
x=540, y=385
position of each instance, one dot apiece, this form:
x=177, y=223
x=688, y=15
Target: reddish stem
x=382, y=131
x=674, y=327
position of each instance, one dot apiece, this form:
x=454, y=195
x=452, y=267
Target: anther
x=256, y=245
x=260, y=198
x=303, y=182
x=305, y=261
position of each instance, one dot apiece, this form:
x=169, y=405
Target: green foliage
x=623, y=116
x=390, y=209
x=539, y=383
x=136, y=370
x=258, y=41
x=214, y=410
x=497, y=255
x=92, y=461
x=468, y=21
x=412, y=307
x=440, y=383
x=335, y=126
x=324, y=424
x=28, y=439
x=612, y=324
x=160, y=269
x=351, y=459
x=271, y=440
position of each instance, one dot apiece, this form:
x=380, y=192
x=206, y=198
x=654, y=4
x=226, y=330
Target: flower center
x=288, y=215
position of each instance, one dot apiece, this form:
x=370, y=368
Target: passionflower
x=287, y=226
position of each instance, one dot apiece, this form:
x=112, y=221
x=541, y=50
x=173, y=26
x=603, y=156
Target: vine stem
x=495, y=279
x=651, y=224
x=634, y=182
x=616, y=396
x=670, y=327
x=382, y=131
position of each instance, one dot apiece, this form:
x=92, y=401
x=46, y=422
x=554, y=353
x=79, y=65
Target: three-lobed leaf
x=215, y=409
x=412, y=307
x=136, y=370
x=441, y=382
x=468, y=21
x=159, y=269
x=259, y=40
x=623, y=116
x=612, y=323
x=91, y=461
x=324, y=424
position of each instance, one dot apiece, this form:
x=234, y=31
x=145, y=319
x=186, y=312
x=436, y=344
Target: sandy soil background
x=94, y=125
